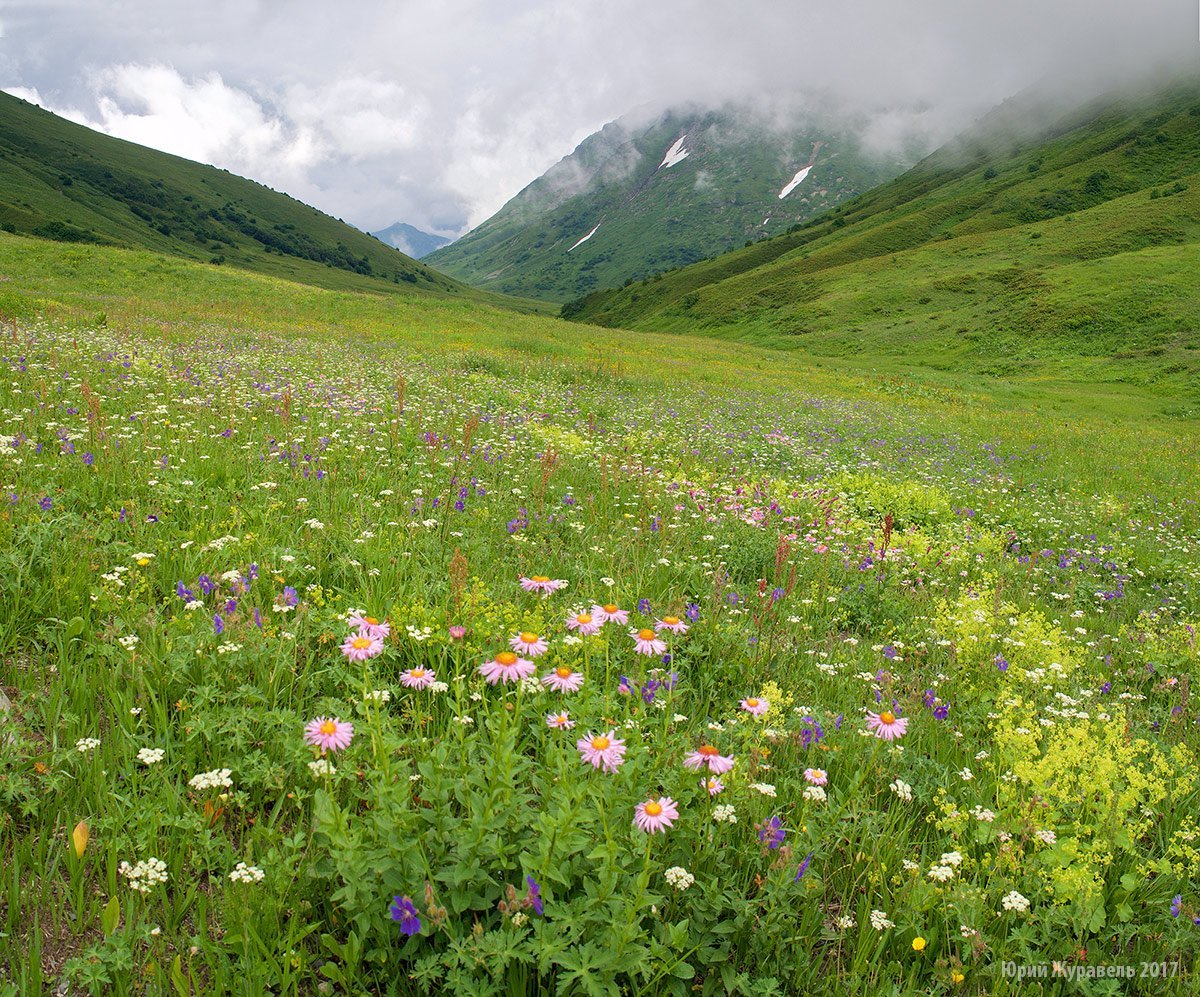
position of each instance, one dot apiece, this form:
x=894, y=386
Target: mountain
x=1058, y=244
x=62, y=181
x=409, y=240
x=635, y=199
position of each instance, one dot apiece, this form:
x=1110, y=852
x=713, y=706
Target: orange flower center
x=561, y=718
x=361, y=643
x=600, y=743
x=646, y=634
x=506, y=658
x=528, y=638
x=584, y=618
x=540, y=578
x=653, y=809
x=670, y=620
x=328, y=728
x=887, y=718
x=371, y=620
x=563, y=673
x=752, y=702
x=610, y=607
x=417, y=672
x=708, y=750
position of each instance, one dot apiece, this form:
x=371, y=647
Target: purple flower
x=207, y=586
x=624, y=686
x=258, y=618
x=771, y=832
x=535, y=895
x=644, y=607
x=402, y=910
x=1176, y=904
x=1001, y=662
x=89, y=458
x=290, y=596
x=218, y=625
x=692, y=612
x=47, y=503
x=889, y=652
x=803, y=867
x=941, y=712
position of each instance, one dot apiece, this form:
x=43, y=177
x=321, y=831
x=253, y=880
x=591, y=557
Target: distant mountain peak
x=410, y=240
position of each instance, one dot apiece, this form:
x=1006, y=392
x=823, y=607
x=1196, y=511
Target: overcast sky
x=435, y=112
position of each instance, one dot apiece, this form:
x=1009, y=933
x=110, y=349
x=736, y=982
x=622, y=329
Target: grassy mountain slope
x=61, y=181
x=1065, y=253
x=647, y=213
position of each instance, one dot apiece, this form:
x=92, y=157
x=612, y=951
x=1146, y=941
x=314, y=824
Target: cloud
x=435, y=113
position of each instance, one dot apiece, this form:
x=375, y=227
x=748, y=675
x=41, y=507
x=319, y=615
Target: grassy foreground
x=210, y=480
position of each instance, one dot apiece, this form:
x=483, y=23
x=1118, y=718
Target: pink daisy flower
x=543, y=584
x=563, y=679
x=328, y=734
x=647, y=642
x=706, y=754
x=458, y=633
x=754, y=706
x=610, y=612
x=602, y=751
x=672, y=623
x=712, y=784
x=360, y=647
x=368, y=626
x=528, y=643
x=816, y=777
x=506, y=667
x=887, y=725
x=559, y=721
x=653, y=816
x=417, y=678
x=585, y=623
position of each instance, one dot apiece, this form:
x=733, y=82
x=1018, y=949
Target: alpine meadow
x=803, y=608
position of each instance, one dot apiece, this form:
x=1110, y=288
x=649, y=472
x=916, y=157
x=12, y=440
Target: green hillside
x=61, y=181
x=649, y=211
x=1064, y=252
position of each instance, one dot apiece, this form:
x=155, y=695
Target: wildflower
x=624, y=686
x=321, y=767
x=604, y=751
x=145, y=875
x=218, y=625
x=887, y=725
x=814, y=793
x=712, y=784
x=653, y=816
x=528, y=643
x=369, y=626
x=902, y=789
x=941, y=873
x=543, y=584
x=129, y=641
x=457, y=633
x=725, y=814
x=918, y=944
x=243, y=873
x=1047, y=837
x=679, y=878
x=672, y=623
x=86, y=744
x=360, y=647
x=952, y=858
x=879, y=920
x=956, y=976
x=816, y=777
x=216, y=779
x=610, y=612
x=1176, y=904
x=966, y=775
x=1015, y=901
x=402, y=910
x=150, y=756
x=417, y=678
x=329, y=734
x=382, y=696
x=534, y=897
x=506, y=667
x=983, y=814
x=646, y=642
x=771, y=832
x=845, y=922
x=763, y=787
x=941, y=711
x=563, y=679
x=584, y=623
x=706, y=754
x=800, y=873
x=559, y=721
x=754, y=706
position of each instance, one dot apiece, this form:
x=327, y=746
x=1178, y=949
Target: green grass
x=1062, y=257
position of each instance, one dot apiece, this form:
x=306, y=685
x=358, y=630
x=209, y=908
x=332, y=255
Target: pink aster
x=706, y=754
x=506, y=667
x=653, y=816
x=647, y=642
x=559, y=721
x=887, y=725
x=585, y=624
x=563, y=679
x=458, y=633
x=610, y=612
x=360, y=647
x=369, y=626
x=529, y=643
x=672, y=623
x=713, y=784
x=603, y=751
x=816, y=777
x=543, y=584
x=754, y=706
x=328, y=734
x=417, y=678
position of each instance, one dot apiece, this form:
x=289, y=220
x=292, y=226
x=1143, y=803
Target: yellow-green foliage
x=872, y=497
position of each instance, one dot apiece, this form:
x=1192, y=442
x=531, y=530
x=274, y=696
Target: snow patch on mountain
x=796, y=181
x=586, y=237
x=676, y=154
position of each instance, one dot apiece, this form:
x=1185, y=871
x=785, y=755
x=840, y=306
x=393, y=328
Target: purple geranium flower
x=403, y=911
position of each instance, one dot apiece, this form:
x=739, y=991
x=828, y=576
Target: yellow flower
x=918, y=944
x=956, y=977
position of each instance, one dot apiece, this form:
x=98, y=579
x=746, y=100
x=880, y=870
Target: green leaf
x=683, y=970
x=111, y=916
x=181, y=984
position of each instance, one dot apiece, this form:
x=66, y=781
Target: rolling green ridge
x=648, y=217
x=1065, y=253
x=65, y=182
